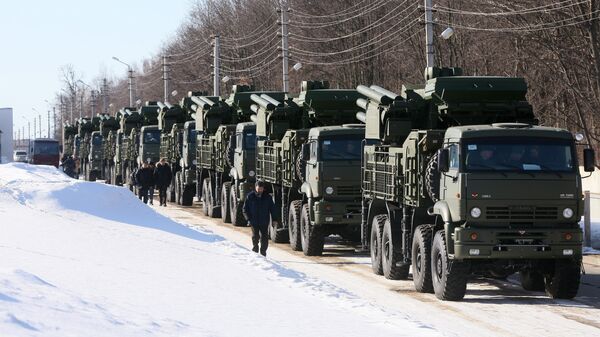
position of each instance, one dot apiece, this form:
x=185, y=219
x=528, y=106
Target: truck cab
x=331, y=161
x=511, y=191
x=95, y=156
x=149, y=145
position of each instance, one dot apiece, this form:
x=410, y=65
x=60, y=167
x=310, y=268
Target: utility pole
x=285, y=53
x=81, y=104
x=429, y=33
x=93, y=103
x=48, y=132
x=166, y=78
x=54, y=121
x=216, y=66
x=130, y=86
x=40, y=123
x=105, y=95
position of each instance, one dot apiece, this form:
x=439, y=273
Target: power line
x=545, y=9
x=309, y=25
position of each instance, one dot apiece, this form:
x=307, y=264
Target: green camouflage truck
x=240, y=153
x=458, y=180
x=129, y=119
x=178, y=146
x=68, y=139
x=86, y=128
x=108, y=128
x=315, y=189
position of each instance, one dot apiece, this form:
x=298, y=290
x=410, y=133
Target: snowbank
x=88, y=259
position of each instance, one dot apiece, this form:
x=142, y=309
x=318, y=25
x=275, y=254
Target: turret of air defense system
x=458, y=179
x=310, y=157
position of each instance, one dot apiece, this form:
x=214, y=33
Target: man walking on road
x=162, y=178
x=145, y=179
x=259, y=210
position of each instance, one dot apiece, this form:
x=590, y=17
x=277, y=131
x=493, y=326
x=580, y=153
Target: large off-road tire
x=375, y=244
x=532, y=280
x=391, y=254
x=563, y=281
x=277, y=233
x=93, y=175
x=432, y=178
x=171, y=195
x=449, y=276
x=421, y=258
x=225, y=191
x=294, y=225
x=178, y=188
x=312, y=237
x=213, y=211
x=236, y=209
x=205, y=197
x=187, y=194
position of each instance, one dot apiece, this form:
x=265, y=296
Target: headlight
x=329, y=190
x=194, y=162
x=567, y=213
x=251, y=173
x=475, y=212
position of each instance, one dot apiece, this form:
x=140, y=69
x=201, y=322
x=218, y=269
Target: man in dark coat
x=162, y=179
x=259, y=210
x=144, y=178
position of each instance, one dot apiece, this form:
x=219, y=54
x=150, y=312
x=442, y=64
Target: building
x=6, y=141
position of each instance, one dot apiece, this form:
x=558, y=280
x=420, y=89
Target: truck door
x=450, y=187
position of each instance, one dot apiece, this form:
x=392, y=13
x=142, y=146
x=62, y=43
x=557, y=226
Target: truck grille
x=521, y=213
x=348, y=190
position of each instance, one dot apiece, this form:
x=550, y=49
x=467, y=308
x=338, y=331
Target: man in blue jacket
x=259, y=210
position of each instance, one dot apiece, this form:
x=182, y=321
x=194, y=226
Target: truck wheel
x=391, y=254
x=213, y=211
x=236, y=209
x=563, y=281
x=531, y=280
x=178, y=188
x=225, y=213
x=294, y=225
x=449, y=276
x=172, y=188
x=205, y=201
x=93, y=175
x=421, y=259
x=187, y=195
x=375, y=244
x=312, y=238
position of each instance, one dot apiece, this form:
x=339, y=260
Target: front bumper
x=337, y=212
x=527, y=243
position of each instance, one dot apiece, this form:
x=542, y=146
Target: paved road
x=490, y=308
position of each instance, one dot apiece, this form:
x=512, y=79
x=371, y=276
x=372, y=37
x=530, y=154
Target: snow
x=89, y=259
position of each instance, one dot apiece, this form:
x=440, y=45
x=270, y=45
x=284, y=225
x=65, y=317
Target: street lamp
x=130, y=79
x=93, y=98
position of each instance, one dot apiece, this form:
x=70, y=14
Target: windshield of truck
x=50, y=148
x=249, y=141
x=21, y=153
x=97, y=140
x=341, y=149
x=152, y=137
x=505, y=154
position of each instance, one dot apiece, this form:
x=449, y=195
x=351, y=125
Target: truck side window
x=454, y=160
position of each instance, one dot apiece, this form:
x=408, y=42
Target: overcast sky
x=38, y=37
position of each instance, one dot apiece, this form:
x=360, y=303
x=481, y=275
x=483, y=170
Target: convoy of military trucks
x=447, y=179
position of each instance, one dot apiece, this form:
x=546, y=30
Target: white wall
x=6, y=126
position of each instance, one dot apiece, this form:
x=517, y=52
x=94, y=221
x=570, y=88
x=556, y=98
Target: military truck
x=129, y=119
x=240, y=153
x=108, y=127
x=459, y=179
x=178, y=146
x=68, y=139
x=311, y=163
x=88, y=132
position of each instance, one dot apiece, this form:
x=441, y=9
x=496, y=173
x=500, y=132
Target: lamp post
x=40, y=123
x=93, y=98
x=130, y=70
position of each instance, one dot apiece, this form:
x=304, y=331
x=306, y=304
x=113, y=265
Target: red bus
x=44, y=152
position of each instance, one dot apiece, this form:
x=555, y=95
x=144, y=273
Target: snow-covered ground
x=87, y=259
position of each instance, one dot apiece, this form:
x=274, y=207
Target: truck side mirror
x=588, y=160
x=443, y=160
